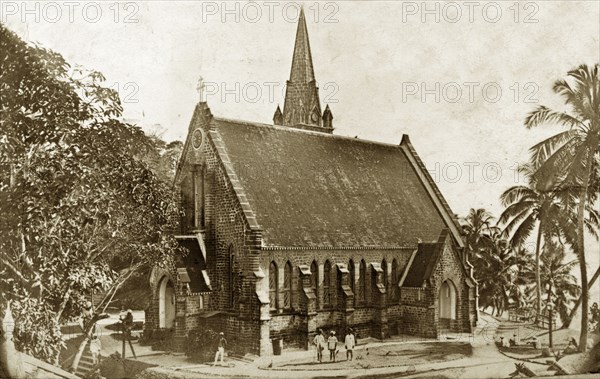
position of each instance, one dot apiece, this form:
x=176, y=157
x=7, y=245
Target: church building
x=291, y=228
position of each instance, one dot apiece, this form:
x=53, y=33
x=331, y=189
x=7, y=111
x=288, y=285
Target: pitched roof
x=422, y=265
x=312, y=189
x=424, y=261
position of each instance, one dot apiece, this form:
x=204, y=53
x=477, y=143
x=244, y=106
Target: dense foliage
x=559, y=202
x=202, y=344
x=82, y=210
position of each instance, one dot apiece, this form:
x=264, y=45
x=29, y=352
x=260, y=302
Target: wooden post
x=550, y=309
x=123, y=339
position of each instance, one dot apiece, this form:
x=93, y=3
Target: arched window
x=362, y=281
x=203, y=197
x=385, y=276
x=394, y=286
x=273, y=283
x=335, y=285
x=287, y=286
x=327, y=284
x=199, y=175
x=351, y=277
x=314, y=279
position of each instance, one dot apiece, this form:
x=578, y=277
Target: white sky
x=368, y=57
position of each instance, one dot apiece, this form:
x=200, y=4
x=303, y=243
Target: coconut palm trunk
x=581, y=252
x=571, y=154
x=538, y=279
x=569, y=319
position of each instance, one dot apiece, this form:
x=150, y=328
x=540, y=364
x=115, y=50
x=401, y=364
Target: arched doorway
x=447, y=301
x=166, y=303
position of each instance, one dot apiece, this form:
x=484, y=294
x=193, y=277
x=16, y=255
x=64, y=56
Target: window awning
x=194, y=264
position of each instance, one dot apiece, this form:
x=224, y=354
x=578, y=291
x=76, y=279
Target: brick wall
x=238, y=266
x=230, y=241
x=417, y=313
x=291, y=328
x=368, y=318
x=152, y=313
x=305, y=257
x=449, y=269
x=394, y=313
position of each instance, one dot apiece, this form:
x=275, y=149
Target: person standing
x=349, y=343
x=332, y=345
x=87, y=315
x=220, y=348
x=319, y=342
x=95, y=347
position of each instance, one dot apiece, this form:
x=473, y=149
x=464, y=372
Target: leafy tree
x=81, y=210
x=161, y=157
x=571, y=154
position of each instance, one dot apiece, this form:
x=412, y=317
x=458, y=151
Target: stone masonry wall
x=448, y=268
x=418, y=315
x=361, y=315
x=229, y=241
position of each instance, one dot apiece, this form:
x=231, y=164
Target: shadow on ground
x=386, y=356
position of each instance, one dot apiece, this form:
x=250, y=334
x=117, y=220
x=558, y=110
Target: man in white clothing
x=349, y=342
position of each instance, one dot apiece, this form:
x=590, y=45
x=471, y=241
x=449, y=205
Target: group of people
x=95, y=342
x=332, y=345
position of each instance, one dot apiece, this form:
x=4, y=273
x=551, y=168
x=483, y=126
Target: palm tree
x=500, y=276
x=572, y=153
x=568, y=229
x=556, y=270
x=478, y=226
x=528, y=206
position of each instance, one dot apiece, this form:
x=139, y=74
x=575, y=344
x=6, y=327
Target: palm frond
x=516, y=209
x=592, y=221
x=543, y=150
x=515, y=194
x=523, y=231
x=556, y=162
x=545, y=115
x=575, y=97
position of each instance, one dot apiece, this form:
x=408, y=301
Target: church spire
x=302, y=107
x=302, y=65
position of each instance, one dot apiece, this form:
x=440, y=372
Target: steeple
x=302, y=107
x=302, y=65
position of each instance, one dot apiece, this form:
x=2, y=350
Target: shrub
x=201, y=344
x=159, y=339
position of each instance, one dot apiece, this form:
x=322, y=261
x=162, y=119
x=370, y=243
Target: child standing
x=332, y=345
x=95, y=347
x=349, y=342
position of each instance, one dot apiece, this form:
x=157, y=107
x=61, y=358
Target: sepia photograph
x=299, y=189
